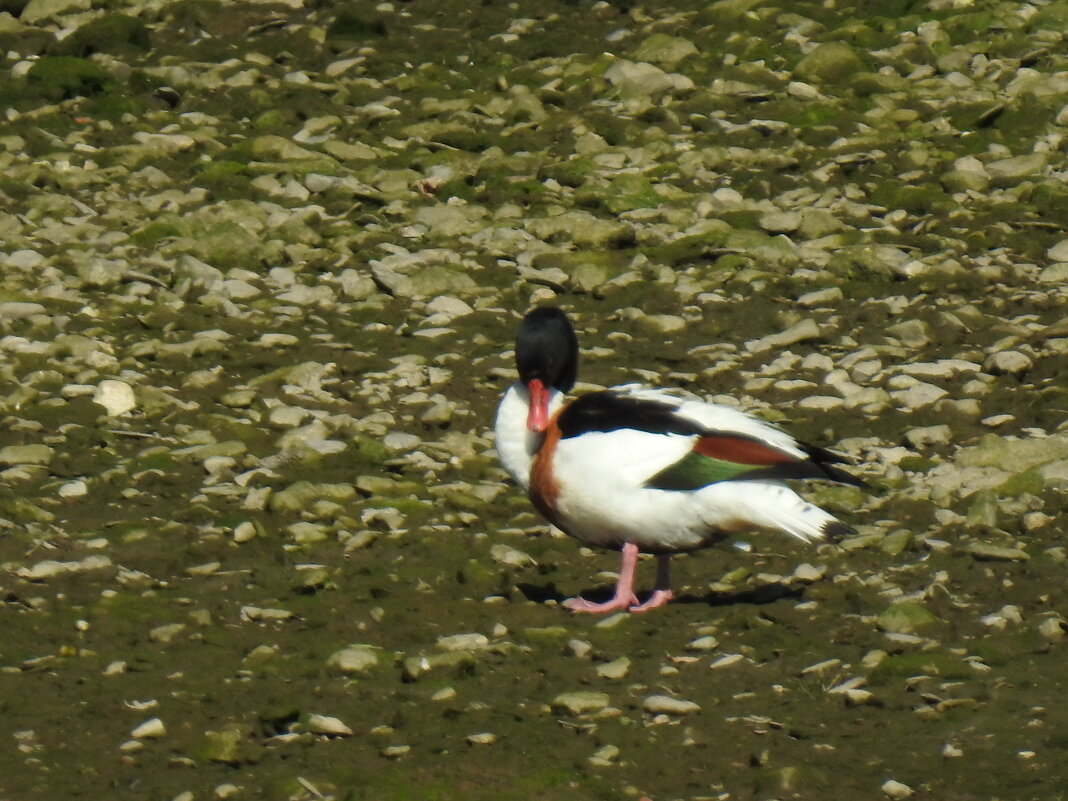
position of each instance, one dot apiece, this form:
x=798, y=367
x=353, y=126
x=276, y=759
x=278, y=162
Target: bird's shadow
x=764, y=594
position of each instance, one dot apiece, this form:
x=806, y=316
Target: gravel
x=260, y=269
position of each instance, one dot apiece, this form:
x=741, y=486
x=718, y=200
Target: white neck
x=517, y=444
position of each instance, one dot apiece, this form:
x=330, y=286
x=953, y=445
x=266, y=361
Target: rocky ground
x=260, y=268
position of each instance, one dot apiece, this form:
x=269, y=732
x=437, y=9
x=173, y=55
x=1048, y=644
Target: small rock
x=244, y=531
x=482, y=738
x=726, y=661
x=19, y=310
x=166, y=633
x=706, y=643
x=895, y=789
x=50, y=568
x=1008, y=362
x=1059, y=252
x=995, y=553
x=580, y=703
x=910, y=333
x=324, y=724
x=463, y=642
x=513, y=557
x=665, y=704
x=150, y=730
x=804, y=331
x=73, y=489
x=1052, y=629
x=616, y=669
x=809, y=573
x=905, y=618
x=661, y=324
x=117, y=397
x=829, y=62
x=354, y=658
x=25, y=454
x=820, y=297
x=604, y=756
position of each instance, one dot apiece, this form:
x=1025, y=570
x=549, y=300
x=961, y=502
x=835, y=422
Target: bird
x=647, y=470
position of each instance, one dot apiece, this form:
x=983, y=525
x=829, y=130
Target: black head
x=546, y=349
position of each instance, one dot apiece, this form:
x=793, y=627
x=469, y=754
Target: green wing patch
x=694, y=471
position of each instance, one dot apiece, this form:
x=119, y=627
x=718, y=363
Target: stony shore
x=260, y=269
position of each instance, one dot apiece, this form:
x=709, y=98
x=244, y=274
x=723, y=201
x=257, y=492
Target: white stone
x=73, y=489
x=666, y=705
x=149, y=730
x=37, y=10
x=1009, y=362
x=324, y=724
x=471, y=641
x=895, y=789
x=354, y=658
x=117, y=397
x=1059, y=252
x=918, y=395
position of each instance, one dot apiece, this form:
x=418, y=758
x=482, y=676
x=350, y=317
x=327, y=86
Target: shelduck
x=647, y=470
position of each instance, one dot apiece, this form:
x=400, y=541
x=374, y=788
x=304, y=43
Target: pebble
x=604, y=756
x=463, y=642
x=482, y=738
x=34, y=453
x=117, y=397
x=244, y=531
x=357, y=658
x=666, y=705
x=804, y=331
x=151, y=729
x=706, y=643
x=809, y=573
x=580, y=703
x=895, y=789
x=918, y=395
x=726, y=661
x=50, y=568
x=513, y=557
x=1008, y=362
x=324, y=724
x=821, y=297
x=166, y=633
x=995, y=553
x=1059, y=251
x=19, y=310
x=616, y=669
x=73, y=489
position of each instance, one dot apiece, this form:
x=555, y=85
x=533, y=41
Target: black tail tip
x=835, y=530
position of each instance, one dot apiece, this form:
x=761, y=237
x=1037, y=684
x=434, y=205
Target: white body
x=601, y=479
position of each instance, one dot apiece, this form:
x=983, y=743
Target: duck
x=648, y=470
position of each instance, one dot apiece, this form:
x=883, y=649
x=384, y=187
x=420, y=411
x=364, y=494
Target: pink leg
x=662, y=594
x=624, y=597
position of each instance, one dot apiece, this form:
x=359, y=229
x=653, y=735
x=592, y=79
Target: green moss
x=357, y=21
x=153, y=233
x=915, y=664
x=926, y=199
x=63, y=77
x=112, y=33
x=572, y=172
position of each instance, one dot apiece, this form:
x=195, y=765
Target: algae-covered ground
x=261, y=264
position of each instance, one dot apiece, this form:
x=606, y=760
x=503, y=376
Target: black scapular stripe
x=610, y=411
